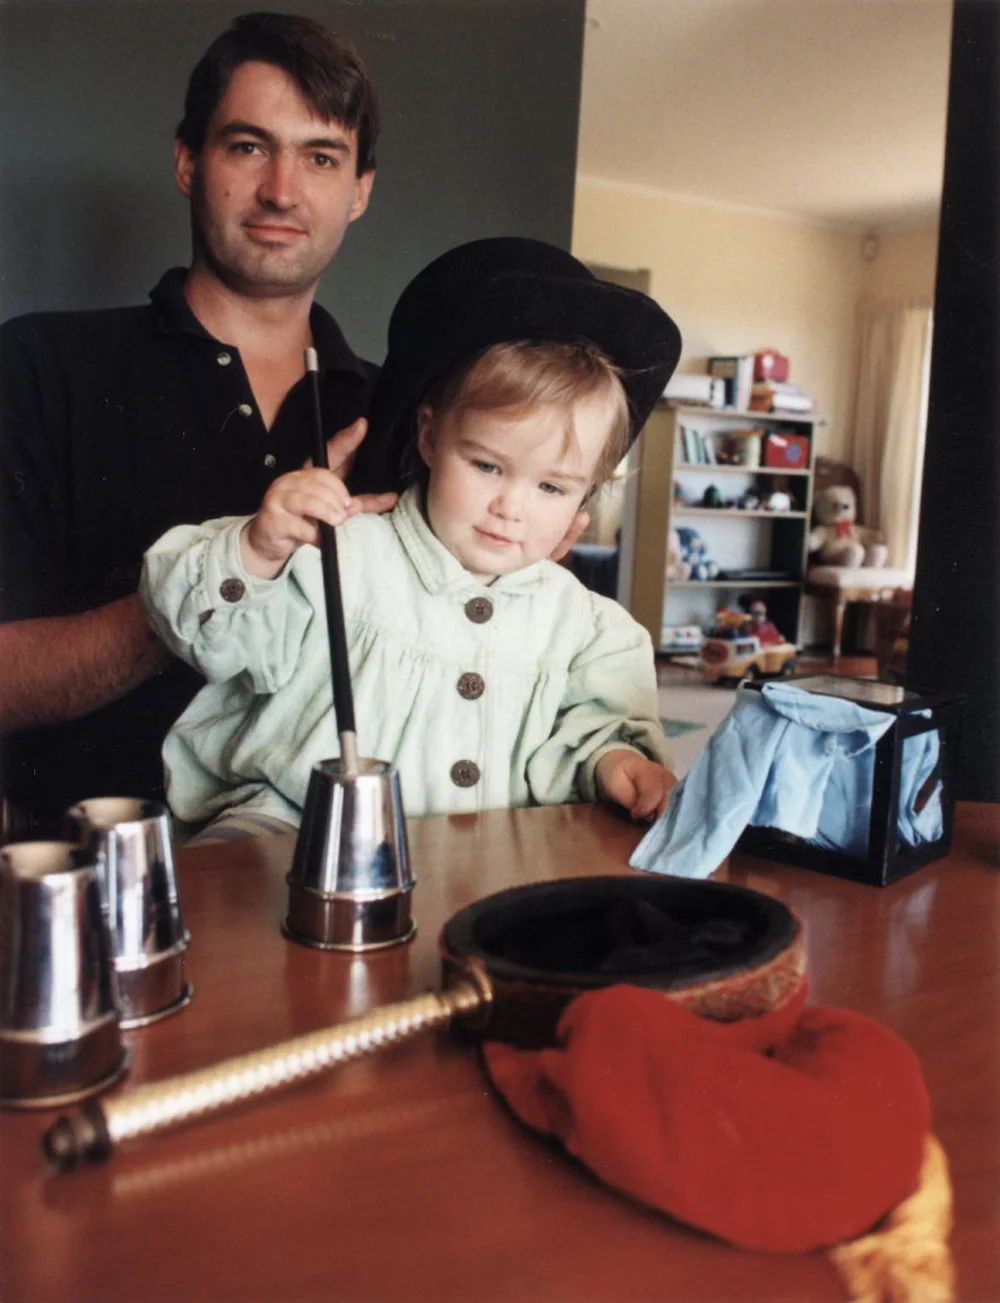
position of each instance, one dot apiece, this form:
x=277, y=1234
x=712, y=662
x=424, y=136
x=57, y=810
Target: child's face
x=503, y=488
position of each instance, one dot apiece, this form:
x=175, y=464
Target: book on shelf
x=697, y=448
x=722, y=447
x=778, y=396
x=737, y=373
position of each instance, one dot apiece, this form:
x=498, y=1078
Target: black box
x=888, y=857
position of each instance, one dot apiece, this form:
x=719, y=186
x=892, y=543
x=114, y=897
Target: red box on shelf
x=770, y=365
x=786, y=451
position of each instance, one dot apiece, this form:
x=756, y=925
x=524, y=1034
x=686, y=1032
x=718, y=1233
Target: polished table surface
x=401, y=1177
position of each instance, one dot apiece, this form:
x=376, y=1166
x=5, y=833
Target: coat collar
x=438, y=569
x=175, y=317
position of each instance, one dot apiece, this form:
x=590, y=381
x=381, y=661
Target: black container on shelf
x=924, y=723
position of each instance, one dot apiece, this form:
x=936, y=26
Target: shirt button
x=224, y=359
x=245, y=409
x=479, y=609
x=465, y=773
x=270, y=461
x=470, y=686
x=231, y=590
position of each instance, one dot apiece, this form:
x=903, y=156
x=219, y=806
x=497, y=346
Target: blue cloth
x=789, y=759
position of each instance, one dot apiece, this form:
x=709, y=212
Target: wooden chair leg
x=838, y=627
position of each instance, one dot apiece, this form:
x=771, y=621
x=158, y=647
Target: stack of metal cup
x=129, y=843
x=59, y=1024
x=91, y=943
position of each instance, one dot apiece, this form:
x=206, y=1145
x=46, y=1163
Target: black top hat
x=499, y=290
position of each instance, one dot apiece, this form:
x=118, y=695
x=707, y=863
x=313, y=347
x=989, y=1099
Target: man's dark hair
x=324, y=65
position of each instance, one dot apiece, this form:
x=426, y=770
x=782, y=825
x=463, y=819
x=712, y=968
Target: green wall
x=480, y=101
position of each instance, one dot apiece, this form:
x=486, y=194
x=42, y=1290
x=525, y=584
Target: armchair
x=840, y=585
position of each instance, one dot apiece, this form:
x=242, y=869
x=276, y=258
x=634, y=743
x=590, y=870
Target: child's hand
x=638, y=784
x=289, y=516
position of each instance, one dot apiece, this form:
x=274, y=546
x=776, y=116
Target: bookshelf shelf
x=746, y=414
x=734, y=585
x=720, y=468
x=736, y=538
x=739, y=513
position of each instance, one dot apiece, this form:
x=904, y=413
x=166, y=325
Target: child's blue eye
x=487, y=467
x=551, y=489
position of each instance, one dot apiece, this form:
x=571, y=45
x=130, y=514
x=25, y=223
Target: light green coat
x=568, y=674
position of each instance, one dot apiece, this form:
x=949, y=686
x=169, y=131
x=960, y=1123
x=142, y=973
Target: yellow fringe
x=907, y=1260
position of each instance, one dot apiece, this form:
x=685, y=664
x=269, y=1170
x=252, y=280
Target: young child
x=486, y=673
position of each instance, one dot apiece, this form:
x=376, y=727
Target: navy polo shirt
x=117, y=425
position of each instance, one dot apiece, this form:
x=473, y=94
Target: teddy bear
x=694, y=553
x=837, y=538
x=676, y=567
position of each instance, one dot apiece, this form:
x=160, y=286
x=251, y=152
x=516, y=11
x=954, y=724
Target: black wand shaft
x=343, y=695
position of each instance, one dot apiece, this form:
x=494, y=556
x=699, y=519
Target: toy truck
x=726, y=660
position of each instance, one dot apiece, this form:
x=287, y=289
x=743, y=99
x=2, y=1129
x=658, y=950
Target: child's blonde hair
x=522, y=375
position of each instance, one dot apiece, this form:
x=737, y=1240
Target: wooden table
x=401, y=1178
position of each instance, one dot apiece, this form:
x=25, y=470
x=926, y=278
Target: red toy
x=759, y=626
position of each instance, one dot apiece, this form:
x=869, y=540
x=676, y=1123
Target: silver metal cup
x=350, y=885
x=130, y=843
x=59, y=1024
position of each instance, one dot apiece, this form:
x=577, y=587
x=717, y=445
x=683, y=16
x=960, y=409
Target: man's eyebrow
x=328, y=142
x=239, y=128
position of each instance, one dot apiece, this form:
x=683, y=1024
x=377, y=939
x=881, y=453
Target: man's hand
x=340, y=450
x=577, y=526
x=640, y=785
x=295, y=504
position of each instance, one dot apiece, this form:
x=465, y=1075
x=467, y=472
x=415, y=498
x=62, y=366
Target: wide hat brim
x=498, y=290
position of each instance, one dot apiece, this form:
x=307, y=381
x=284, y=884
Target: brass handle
x=92, y=1132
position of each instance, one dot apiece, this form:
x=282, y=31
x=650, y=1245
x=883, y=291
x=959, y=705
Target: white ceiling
x=827, y=110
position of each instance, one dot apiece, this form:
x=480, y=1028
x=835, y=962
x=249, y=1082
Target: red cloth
x=844, y=528
x=787, y=1132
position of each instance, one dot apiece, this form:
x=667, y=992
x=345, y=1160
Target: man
x=119, y=424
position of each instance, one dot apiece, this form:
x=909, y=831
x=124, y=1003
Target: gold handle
x=96, y=1128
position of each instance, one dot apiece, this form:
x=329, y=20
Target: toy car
x=727, y=659
x=681, y=638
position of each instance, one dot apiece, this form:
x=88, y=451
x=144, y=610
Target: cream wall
x=904, y=266
x=737, y=282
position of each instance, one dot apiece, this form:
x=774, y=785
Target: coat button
x=231, y=590
x=270, y=461
x=465, y=773
x=479, y=609
x=245, y=409
x=224, y=359
x=470, y=686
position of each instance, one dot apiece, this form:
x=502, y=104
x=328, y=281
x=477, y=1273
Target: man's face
x=273, y=188
x=503, y=487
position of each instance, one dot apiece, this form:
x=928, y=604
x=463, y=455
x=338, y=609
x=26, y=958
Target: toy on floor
x=745, y=645
x=838, y=539
x=756, y=624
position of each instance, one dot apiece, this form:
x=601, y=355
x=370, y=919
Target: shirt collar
x=175, y=317
x=438, y=569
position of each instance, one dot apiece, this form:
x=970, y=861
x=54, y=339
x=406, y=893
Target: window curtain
x=886, y=445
